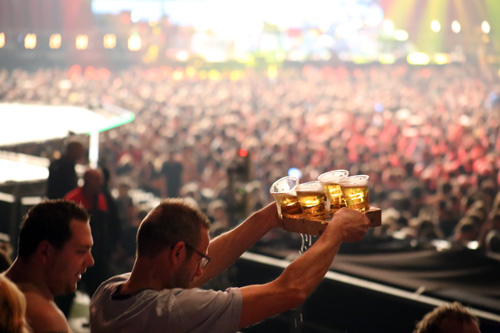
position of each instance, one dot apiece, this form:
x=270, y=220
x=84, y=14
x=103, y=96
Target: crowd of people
x=428, y=137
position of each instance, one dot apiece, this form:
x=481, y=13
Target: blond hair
x=12, y=307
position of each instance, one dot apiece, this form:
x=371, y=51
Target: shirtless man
x=54, y=251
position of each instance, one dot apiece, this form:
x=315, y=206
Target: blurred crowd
x=428, y=137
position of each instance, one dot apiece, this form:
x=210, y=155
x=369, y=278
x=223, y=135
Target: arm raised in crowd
x=228, y=247
x=304, y=274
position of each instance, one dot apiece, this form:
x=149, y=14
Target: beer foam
x=333, y=177
x=355, y=181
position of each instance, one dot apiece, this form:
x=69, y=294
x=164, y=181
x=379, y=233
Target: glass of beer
x=331, y=186
x=312, y=199
x=283, y=191
x=355, y=192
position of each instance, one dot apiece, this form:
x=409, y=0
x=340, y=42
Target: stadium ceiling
x=25, y=123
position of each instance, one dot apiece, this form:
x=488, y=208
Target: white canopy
x=23, y=123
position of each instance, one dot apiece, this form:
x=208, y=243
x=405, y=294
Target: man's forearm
x=307, y=271
x=228, y=247
x=296, y=282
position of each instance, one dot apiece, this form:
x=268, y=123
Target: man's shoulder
x=111, y=284
x=120, y=278
x=43, y=315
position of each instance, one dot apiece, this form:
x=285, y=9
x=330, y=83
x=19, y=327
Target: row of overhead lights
x=456, y=27
x=134, y=42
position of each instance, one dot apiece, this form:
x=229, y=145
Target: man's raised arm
x=304, y=274
x=228, y=247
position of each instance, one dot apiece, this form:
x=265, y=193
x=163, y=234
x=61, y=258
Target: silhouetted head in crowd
x=466, y=230
x=448, y=318
x=74, y=151
x=93, y=179
x=492, y=242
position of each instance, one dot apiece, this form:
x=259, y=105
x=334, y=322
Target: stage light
x=182, y=56
x=2, y=39
x=134, y=42
x=455, y=27
x=272, y=71
x=485, y=27
x=388, y=26
x=109, y=41
x=30, y=41
x=401, y=35
x=418, y=58
x=214, y=75
x=435, y=26
x=178, y=75
x=215, y=56
x=442, y=58
x=55, y=41
x=82, y=42
x=387, y=59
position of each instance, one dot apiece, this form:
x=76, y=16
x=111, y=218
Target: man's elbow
x=297, y=296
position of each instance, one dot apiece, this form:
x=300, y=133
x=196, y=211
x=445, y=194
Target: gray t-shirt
x=168, y=310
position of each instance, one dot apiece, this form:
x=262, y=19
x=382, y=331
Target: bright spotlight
x=485, y=27
x=401, y=35
x=2, y=39
x=30, y=41
x=388, y=26
x=418, y=58
x=435, y=26
x=442, y=58
x=455, y=27
x=55, y=41
x=134, y=42
x=109, y=41
x=82, y=42
x=294, y=172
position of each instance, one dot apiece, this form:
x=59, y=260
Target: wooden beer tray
x=316, y=227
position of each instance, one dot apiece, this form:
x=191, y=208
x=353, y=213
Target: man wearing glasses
x=175, y=257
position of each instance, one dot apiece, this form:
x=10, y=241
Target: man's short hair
x=172, y=221
x=440, y=319
x=49, y=220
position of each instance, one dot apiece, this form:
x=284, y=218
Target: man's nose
x=91, y=260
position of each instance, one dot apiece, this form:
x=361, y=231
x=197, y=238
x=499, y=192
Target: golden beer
x=333, y=190
x=312, y=199
x=355, y=191
x=290, y=206
x=334, y=194
x=283, y=191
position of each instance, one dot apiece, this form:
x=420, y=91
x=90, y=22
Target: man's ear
x=177, y=253
x=44, y=250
